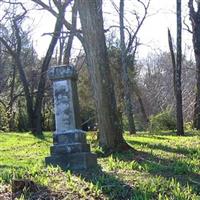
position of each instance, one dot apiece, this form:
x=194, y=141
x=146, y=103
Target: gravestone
x=70, y=149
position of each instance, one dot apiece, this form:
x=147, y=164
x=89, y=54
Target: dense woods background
x=117, y=90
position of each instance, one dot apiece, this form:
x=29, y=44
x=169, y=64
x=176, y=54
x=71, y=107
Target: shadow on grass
x=109, y=184
x=112, y=186
x=166, y=168
x=179, y=150
x=157, y=137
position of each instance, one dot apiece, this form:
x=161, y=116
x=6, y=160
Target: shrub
x=139, y=124
x=164, y=120
x=188, y=126
x=3, y=119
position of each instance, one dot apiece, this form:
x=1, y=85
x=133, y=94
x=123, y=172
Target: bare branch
x=17, y=35
x=10, y=50
x=18, y=17
x=54, y=13
x=139, y=24
x=187, y=26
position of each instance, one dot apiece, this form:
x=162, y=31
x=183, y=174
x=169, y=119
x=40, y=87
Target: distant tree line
x=116, y=89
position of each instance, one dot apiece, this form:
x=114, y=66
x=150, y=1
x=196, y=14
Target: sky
x=153, y=34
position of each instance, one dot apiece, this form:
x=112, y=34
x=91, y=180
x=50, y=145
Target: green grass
x=163, y=167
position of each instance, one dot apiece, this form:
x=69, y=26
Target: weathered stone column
x=69, y=149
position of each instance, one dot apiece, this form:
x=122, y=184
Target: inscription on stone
x=63, y=110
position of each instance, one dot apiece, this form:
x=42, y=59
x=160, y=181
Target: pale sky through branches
x=153, y=34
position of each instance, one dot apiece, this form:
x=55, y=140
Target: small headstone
x=70, y=149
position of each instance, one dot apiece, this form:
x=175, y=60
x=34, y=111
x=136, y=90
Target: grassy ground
x=163, y=167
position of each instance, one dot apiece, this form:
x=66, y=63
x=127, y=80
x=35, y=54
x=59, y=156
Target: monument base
x=74, y=161
x=69, y=148
x=71, y=151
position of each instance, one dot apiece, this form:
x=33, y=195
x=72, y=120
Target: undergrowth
x=161, y=167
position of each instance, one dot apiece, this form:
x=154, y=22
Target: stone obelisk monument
x=69, y=150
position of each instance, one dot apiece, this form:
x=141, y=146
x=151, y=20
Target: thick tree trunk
x=197, y=103
x=125, y=77
x=179, y=111
x=90, y=12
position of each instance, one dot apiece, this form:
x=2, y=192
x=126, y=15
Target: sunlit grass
x=161, y=166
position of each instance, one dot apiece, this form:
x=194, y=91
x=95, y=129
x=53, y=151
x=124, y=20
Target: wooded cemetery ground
x=161, y=166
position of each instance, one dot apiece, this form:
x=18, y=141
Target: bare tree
x=34, y=109
x=93, y=41
x=66, y=40
x=125, y=77
x=156, y=83
x=179, y=108
x=177, y=68
x=41, y=86
x=128, y=51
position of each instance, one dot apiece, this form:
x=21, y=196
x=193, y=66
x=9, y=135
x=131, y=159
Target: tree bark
x=37, y=117
x=90, y=12
x=177, y=68
x=142, y=107
x=125, y=78
x=16, y=55
x=195, y=21
x=29, y=100
x=179, y=111
x=67, y=51
x=10, y=105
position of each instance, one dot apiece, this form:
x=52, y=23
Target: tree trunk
x=34, y=110
x=125, y=78
x=28, y=97
x=37, y=118
x=90, y=12
x=137, y=92
x=179, y=111
x=67, y=51
x=61, y=48
x=177, y=68
x=16, y=55
x=11, y=114
x=197, y=103
x=195, y=20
